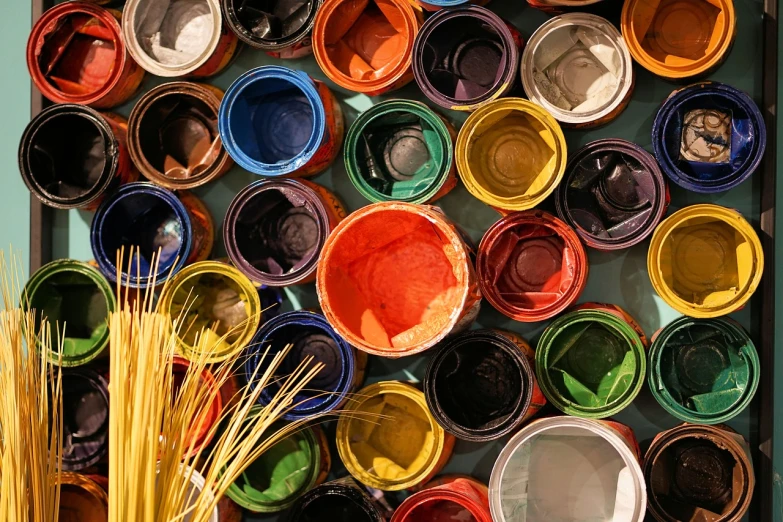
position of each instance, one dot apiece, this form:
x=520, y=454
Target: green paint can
x=590, y=363
x=400, y=150
x=703, y=371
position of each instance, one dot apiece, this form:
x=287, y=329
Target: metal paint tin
x=85, y=417
x=709, y=137
x=82, y=499
x=451, y=499
x=344, y=500
x=198, y=435
x=705, y=260
x=276, y=121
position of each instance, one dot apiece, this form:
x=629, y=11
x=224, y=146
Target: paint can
x=567, y=468
x=704, y=371
x=437, y=5
x=76, y=54
x=480, y=384
x=466, y=56
x=388, y=440
x=679, y=39
x=275, y=121
x=705, y=261
x=709, y=137
x=194, y=489
x=578, y=68
x=173, y=135
x=76, y=300
x=613, y=194
x=217, y=298
x=274, y=230
x=620, y=313
x=71, y=156
x=366, y=46
x=343, y=499
x=82, y=499
x=401, y=150
x=531, y=266
x=699, y=473
x=590, y=363
x=511, y=154
x=198, y=436
x=85, y=418
x=454, y=498
x=559, y=6
x=394, y=279
x=173, y=38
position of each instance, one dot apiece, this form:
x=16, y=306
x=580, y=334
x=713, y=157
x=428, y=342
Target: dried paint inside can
x=271, y=25
x=82, y=499
x=446, y=499
x=85, y=417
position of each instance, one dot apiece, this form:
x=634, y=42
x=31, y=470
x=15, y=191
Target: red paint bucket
x=198, y=435
x=531, y=266
x=446, y=500
x=75, y=54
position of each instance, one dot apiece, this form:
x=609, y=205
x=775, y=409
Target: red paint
x=199, y=432
x=449, y=500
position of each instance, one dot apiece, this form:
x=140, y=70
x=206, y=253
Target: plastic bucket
x=704, y=371
x=388, y=440
x=705, y=260
x=400, y=150
x=366, y=46
x=696, y=473
x=82, y=499
x=466, y=56
x=590, y=363
x=198, y=435
x=395, y=278
x=511, y=154
x=480, y=384
x=709, y=137
x=578, y=68
x=531, y=266
x=85, y=418
x=567, y=468
x=343, y=500
x=276, y=121
x=76, y=54
x=453, y=499
x=613, y=194
x=173, y=135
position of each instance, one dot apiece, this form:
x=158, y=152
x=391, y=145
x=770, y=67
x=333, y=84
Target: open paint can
x=578, y=68
x=76, y=300
x=85, y=418
x=276, y=121
x=394, y=279
x=567, y=468
x=559, y=6
x=705, y=260
x=199, y=435
x=591, y=363
x=274, y=230
x=400, y=150
x=344, y=500
x=531, y=266
x=709, y=137
x=480, y=384
x=71, y=156
x=194, y=489
x=445, y=500
x=82, y=499
x=511, y=154
x=466, y=56
x=697, y=473
x=613, y=194
x=366, y=46
x=704, y=371
x=388, y=440
x=173, y=135
x=76, y=54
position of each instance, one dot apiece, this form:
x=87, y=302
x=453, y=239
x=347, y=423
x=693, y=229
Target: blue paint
x=272, y=120
x=747, y=141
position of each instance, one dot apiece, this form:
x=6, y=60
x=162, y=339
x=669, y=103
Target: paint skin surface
x=440, y=511
x=77, y=504
x=174, y=32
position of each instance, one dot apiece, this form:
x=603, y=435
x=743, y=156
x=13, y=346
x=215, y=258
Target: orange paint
x=83, y=499
x=199, y=434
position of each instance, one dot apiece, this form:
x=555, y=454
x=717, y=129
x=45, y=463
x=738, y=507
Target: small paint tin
x=388, y=440
x=217, y=298
x=400, y=150
x=613, y=194
x=567, y=468
x=704, y=371
x=577, y=67
x=452, y=499
x=76, y=299
x=679, y=39
x=173, y=135
x=71, y=156
x=366, y=46
x=709, y=137
x=511, y=154
x=531, y=266
x=705, y=260
x=172, y=39
x=85, y=418
x=198, y=436
x=344, y=500
x=394, y=279
x=480, y=384
x=82, y=499
x=76, y=54
x=698, y=473
x=466, y=56
x=590, y=363
x=275, y=121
